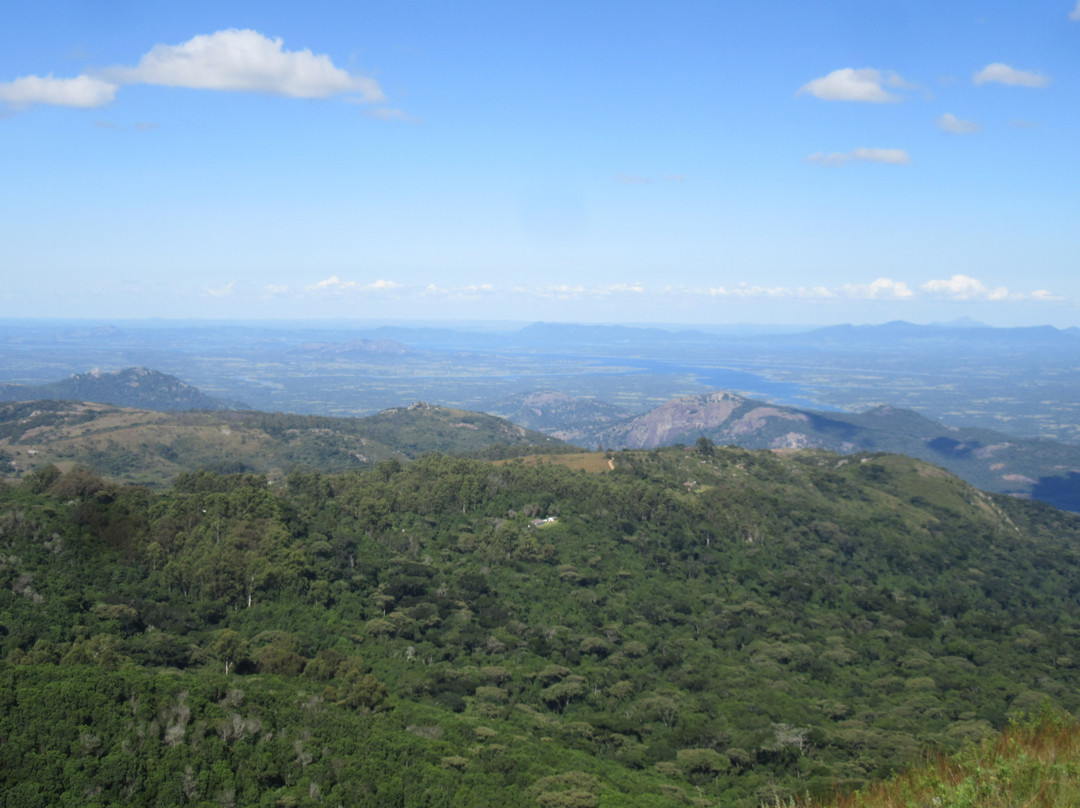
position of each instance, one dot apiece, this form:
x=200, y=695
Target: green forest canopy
x=697, y=626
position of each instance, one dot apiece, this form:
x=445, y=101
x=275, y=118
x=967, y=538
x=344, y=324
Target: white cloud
x=221, y=291
x=880, y=289
x=1043, y=294
x=236, y=60
x=330, y=283
x=84, y=92
x=896, y=157
x=276, y=289
x=849, y=84
x=562, y=291
x=964, y=287
x=1003, y=74
x=566, y=291
x=1074, y=15
x=335, y=284
x=744, y=290
x=957, y=126
x=245, y=60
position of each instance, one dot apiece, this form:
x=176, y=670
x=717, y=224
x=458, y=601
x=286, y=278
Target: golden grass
x=1036, y=765
x=592, y=462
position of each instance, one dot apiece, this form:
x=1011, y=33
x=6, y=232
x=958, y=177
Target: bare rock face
x=671, y=422
x=722, y=416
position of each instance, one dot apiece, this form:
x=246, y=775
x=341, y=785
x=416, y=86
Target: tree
x=229, y=648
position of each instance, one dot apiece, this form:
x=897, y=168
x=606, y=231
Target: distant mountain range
x=145, y=446
x=991, y=460
x=131, y=387
x=898, y=334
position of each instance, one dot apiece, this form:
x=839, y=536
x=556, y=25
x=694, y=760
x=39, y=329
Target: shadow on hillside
x=1061, y=492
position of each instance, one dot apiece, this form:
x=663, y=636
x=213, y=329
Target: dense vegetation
x=696, y=626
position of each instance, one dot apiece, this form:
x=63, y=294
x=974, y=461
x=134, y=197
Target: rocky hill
x=570, y=418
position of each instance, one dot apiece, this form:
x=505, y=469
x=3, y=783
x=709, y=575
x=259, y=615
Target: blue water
x=751, y=385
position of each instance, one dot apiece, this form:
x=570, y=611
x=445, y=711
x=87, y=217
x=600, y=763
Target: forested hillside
x=691, y=627
x=152, y=448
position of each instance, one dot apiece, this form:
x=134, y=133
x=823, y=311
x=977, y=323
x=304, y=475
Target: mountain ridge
x=994, y=461
x=152, y=448
x=128, y=387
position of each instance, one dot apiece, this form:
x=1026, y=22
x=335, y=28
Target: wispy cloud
x=569, y=291
x=1003, y=74
x=959, y=288
x=221, y=291
x=382, y=285
x=851, y=84
x=335, y=284
x=745, y=290
x=957, y=126
x=896, y=157
x=880, y=289
x=1074, y=15
x=964, y=287
x=1044, y=294
x=82, y=92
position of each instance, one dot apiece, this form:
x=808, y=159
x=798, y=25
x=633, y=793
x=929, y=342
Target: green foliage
x=453, y=631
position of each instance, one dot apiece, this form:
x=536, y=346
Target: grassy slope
x=1034, y=764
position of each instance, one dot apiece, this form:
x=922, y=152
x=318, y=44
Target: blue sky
x=697, y=162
